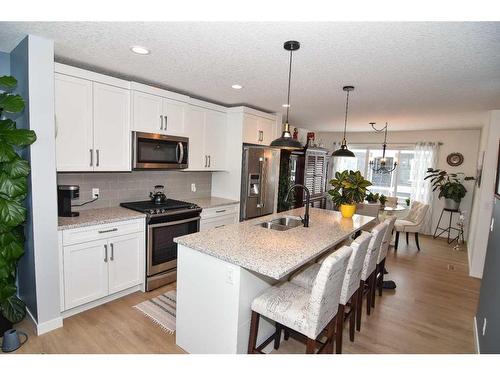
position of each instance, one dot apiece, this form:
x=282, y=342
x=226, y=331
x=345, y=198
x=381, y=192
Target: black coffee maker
x=65, y=193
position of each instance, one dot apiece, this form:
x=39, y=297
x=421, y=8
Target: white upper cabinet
x=92, y=116
x=158, y=111
x=147, y=113
x=215, y=139
x=258, y=130
x=111, y=128
x=73, y=119
x=195, y=131
x=206, y=130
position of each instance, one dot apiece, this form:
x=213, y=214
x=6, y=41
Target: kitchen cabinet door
x=112, y=135
x=126, y=264
x=147, y=113
x=268, y=128
x=85, y=273
x=174, y=116
x=251, y=128
x=73, y=119
x=194, y=127
x=215, y=139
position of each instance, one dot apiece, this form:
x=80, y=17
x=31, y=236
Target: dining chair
x=391, y=201
x=384, y=248
x=413, y=222
x=309, y=313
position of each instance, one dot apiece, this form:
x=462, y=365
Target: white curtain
x=426, y=154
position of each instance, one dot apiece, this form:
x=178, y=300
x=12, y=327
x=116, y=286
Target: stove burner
x=151, y=208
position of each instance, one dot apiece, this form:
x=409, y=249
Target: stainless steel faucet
x=305, y=220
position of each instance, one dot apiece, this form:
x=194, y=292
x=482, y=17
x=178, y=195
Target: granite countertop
x=270, y=252
x=98, y=216
x=210, y=202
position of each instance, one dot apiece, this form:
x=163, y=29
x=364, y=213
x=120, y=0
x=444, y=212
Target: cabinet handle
x=166, y=121
x=218, y=212
x=161, y=122
x=209, y=161
x=105, y=253
x=108, y=230
x=97, y=157
x=112, y=252
x=206, y=161
x=261, y=135
x=220, y=226
x=91, y=157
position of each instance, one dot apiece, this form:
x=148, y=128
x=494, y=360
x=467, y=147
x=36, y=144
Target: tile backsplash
x=115, y=188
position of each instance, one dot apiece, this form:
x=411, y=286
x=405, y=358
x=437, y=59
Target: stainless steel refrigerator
x=259, y=181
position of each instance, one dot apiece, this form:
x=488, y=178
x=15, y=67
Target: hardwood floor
x=431, y=311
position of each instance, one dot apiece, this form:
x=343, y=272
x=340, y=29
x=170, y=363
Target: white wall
x=464, y=141
x=483, y=200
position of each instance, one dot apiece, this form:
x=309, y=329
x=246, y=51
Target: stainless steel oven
x=161, y=265
x=158, y=151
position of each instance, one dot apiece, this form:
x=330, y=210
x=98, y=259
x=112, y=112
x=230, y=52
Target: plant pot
x=5, y=325
x=347, y=210
x=450, y=204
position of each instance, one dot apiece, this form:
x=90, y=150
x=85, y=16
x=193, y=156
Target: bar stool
x=350, y=286
x=308, y=312
x=386, y=241
x=368, y=274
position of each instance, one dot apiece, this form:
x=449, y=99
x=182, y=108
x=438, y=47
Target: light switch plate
x=95, y=193
x=193, y=188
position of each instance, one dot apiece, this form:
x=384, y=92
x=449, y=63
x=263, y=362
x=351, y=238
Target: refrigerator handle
x=260, y=204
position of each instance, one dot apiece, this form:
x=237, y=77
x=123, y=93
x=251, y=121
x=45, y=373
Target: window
x=395, y=184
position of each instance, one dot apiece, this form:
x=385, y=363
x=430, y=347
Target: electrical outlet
x=193, y=188
x=484, y=326
x=95, y=193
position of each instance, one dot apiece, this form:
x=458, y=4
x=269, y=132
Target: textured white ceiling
x=414, y=75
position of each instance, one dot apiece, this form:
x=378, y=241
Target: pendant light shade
x=286, y=140
x=343, y=151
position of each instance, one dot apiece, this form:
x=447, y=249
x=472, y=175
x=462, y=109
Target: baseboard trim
x=44, y=327
x=476, y=337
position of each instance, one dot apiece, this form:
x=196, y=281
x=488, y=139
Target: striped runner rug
x=161, y=310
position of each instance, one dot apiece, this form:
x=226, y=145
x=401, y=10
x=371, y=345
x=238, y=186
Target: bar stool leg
x=359, y=305
x=254, y=327
x=310, y=346
x=352, y=317
x=340, y=329
x=277, y=336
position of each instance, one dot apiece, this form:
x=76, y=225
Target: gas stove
x=169, y=207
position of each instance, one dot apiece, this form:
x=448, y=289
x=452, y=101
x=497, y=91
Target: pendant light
x=286, y=140
x=383, y=167
x=343, y=151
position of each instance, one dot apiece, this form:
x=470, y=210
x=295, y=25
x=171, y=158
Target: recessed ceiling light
x=237, y=87
x=285, y=105
x=140, y=50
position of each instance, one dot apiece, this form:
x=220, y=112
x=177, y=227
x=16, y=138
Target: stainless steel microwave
x=158, y=151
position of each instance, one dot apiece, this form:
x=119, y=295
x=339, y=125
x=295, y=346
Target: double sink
x=282, y=223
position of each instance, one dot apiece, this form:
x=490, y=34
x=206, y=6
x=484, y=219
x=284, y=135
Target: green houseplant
x=348, y=188
x=382, y=199
x=450, y=186
x=372, y=198
x=13, y=190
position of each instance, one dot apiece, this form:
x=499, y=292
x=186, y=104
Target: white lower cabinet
x=217, y=217
x=111, y=260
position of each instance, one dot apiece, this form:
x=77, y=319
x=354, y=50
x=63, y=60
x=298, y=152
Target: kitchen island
x=220, y=271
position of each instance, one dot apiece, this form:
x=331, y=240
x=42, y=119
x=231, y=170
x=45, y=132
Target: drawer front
x=219, y=211
x=218, y=222
x=104, y=231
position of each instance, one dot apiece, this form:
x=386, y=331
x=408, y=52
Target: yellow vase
x=347, y=210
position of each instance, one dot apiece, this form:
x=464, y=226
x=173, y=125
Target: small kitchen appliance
x=159, y=151
x=66, y=193
x=164, y=222
x=158, y=196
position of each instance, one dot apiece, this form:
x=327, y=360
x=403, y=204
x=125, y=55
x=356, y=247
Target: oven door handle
x=168, y=224
x=179, y=151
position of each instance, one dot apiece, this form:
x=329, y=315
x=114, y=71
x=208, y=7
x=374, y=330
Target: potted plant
x=382, y=199
x=348, y=188
x=450, y=186
x=372, y=198
x=407, y=200
x=13, y=190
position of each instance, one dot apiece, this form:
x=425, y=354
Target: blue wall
x=4, y=64
x=26, y=269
